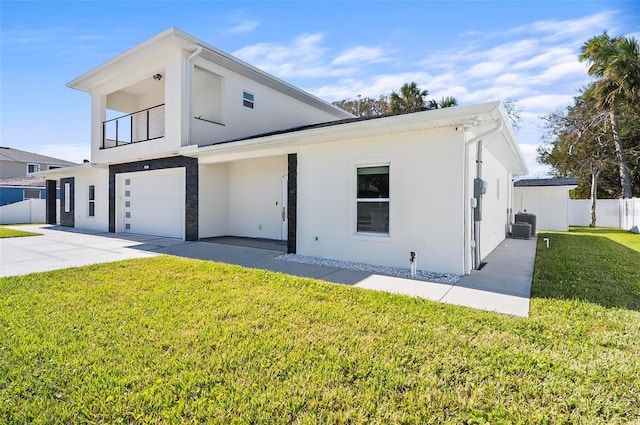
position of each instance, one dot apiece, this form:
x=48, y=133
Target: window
x=33, y=168
x=67, y=197
x=92, y=201
x=247, y=99
x=31, y=194
x=54, y=167
x=372, y=203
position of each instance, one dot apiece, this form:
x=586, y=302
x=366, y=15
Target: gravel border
x=390, y=271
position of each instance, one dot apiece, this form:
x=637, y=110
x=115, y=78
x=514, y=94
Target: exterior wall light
x=157, y=77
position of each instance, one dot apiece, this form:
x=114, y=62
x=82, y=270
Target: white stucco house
x=190, y=142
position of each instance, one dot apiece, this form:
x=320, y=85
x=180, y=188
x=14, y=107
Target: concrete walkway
x=503, y=285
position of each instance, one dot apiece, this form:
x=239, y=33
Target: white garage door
x=151, y=202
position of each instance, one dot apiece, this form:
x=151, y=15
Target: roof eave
x=459, y=115
x=181, y=39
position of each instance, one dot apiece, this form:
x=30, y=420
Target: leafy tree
x=409, y=99
x=616, y=63
x=581, y=145
x=365, y=106
x=578, y=142
x=514, y=111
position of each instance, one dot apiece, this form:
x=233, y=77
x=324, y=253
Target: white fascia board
x=448, y=117
x=176, y=38
x=97, y=75
x=70, y=171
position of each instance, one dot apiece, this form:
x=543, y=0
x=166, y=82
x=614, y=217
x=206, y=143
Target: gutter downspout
x=190, y=90
x=477, y=193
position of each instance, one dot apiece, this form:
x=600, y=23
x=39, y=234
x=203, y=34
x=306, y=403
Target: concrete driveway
x=503, y=285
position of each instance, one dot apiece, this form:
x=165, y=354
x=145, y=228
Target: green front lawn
x=7, y=232
x=170, y=340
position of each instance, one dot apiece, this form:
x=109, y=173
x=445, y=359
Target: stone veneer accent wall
x=51, y=202
x=292, y=201
x=191, y=189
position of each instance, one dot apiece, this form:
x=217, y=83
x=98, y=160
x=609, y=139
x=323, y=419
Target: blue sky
x=473, y=50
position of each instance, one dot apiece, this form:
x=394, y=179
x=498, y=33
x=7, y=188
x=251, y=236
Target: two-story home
x=18, y=181
x=190, y=142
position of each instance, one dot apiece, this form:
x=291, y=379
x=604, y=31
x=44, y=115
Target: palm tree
x=445, y=102
x=410, y=99
x=616, y=62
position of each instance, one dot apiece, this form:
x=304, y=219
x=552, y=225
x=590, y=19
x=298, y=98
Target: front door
x=67, y=202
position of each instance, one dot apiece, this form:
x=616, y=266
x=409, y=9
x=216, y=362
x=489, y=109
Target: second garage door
x=151, y=202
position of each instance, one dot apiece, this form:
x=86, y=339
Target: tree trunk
x=622, y=165
x=594, y=196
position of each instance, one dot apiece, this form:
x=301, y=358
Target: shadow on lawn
x=587, y=267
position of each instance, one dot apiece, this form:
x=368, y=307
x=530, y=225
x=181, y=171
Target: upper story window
x=33, y=168
x=372, y=200
x=247, y=99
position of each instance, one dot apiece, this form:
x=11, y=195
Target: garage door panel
x=152, y=202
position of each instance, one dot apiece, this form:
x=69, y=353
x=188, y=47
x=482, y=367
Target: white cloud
x=244, y=27
x=545, y=102
x=371, y=87
x=74, y=152
x=304, y=57
x=360, y=54
x=485, y=69
x=556, y=29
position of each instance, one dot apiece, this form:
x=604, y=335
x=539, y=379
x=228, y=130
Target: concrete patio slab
x=503, y=285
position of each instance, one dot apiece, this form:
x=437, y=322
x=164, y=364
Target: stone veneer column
x=51, y=202
x=292, y=201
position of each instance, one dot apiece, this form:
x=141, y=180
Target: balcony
x=140, y=126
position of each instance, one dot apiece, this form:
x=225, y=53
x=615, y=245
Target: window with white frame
x=92, y=201
x=372, y=200
x=33, y=168
x=247, y=99
x=67, y=197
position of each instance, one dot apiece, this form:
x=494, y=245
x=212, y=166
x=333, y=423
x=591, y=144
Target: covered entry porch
x=248, y=202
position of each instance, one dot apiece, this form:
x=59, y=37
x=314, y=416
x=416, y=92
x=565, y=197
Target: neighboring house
x=17, y=163
x=190, y=142
x=548, y=199
x=21, y=188
x=18, y=181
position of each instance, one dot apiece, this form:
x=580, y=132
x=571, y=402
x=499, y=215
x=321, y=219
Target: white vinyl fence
x=620, y=213
x=28, y=211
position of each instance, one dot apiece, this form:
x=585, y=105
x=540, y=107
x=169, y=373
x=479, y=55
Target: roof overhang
x=472, y=118
x=57, y=173
x=174, y=38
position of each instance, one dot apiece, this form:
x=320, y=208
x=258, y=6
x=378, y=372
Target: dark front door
x=67, y=202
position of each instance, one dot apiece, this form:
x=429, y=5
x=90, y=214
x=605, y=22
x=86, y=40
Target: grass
x=7, y=232
x=166, y=340
x=600, y=266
